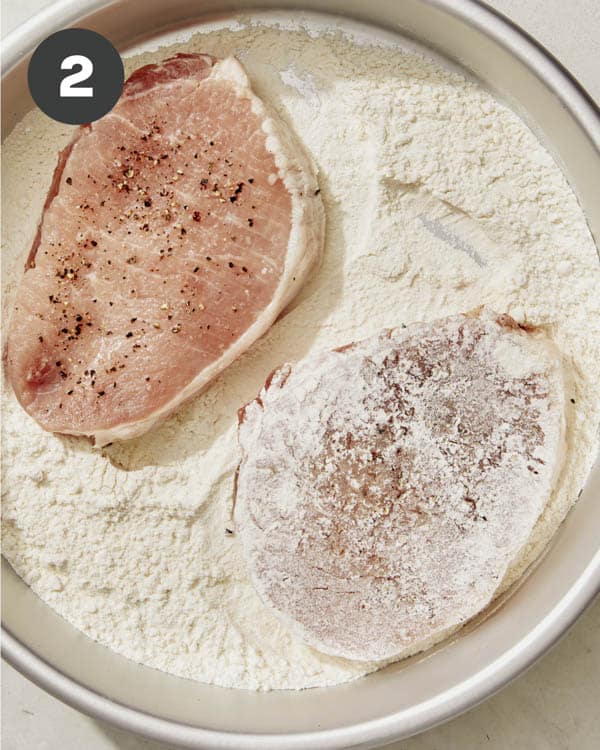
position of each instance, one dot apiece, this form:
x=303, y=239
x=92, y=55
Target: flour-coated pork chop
x=176, y=229
x=386, y=487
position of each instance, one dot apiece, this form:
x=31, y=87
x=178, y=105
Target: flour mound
x=438, y=199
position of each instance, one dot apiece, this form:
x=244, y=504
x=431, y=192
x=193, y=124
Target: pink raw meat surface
x=175, y=231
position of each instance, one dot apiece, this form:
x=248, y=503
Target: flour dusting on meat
x=386, y=486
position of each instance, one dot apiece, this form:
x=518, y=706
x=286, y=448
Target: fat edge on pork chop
x=176, y=229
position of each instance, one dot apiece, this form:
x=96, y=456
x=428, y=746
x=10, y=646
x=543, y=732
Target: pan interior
x=427, y=687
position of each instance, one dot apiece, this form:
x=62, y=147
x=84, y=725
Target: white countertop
x=554, y=706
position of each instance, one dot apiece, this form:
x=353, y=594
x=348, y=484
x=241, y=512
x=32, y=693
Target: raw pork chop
x=385, y=487
x=176, y=230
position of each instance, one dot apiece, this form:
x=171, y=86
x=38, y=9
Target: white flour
x=438, y=199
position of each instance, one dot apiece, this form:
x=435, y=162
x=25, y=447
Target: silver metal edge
x=368, y=734
x=452, y=702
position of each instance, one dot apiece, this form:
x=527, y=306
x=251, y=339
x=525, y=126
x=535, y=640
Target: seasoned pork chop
x=176, y=230
x=386, y=487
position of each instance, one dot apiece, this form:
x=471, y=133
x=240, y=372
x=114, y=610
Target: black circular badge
x=75, y=76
